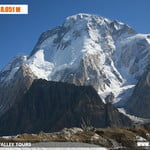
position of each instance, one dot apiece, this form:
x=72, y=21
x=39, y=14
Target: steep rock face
x=88, y=73
x=139, y=103
x=13, y=90
x=51, y=106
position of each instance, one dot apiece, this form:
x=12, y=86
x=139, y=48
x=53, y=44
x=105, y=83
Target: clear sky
x=19, y=33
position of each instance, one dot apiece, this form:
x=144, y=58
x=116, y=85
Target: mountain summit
x=85, y=50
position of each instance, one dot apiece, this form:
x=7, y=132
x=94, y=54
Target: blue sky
x=19, y=33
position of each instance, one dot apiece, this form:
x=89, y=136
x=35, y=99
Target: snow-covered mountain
x=88, y=50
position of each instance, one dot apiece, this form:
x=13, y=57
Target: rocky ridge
x=51, y=106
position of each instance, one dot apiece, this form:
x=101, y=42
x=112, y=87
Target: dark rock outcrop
x=51, y=106
x=139, y=103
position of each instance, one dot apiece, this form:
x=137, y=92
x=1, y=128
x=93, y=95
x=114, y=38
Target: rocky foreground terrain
x=111, y=138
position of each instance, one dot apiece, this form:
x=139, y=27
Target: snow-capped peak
x=11, y=68
x=82, y=19
x=91, y=50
